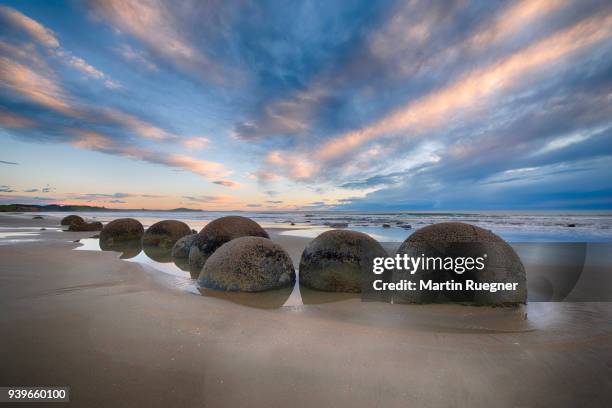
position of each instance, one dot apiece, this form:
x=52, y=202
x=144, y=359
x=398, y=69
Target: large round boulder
x=182, y=246
x=247, y=264
x=122, y=229
x=458, y=252
x=165, y=233
x=223, y=230
x=340, y=261
x=86, y=226
x=72, y=219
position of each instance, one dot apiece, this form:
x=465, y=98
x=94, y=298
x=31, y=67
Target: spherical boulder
x=247, y=264
x=182, y=246
x=458, y=252
x=86, y=226
x=223, y=230
x=72, y=219
x=340, y=261
x=165, y=233
x=122, y=229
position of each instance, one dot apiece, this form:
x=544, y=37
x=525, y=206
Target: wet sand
x=119, y=335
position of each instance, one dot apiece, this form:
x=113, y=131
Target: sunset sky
x=252, y=105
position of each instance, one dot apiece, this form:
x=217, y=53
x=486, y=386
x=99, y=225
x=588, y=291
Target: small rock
x=339, y=224
x=38, y=217
x=571, y=225
x=183, y=246
x=386, y=226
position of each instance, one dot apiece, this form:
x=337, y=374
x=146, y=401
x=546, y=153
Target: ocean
x=397, y=226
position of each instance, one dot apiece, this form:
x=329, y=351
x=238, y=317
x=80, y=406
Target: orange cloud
x=91, y=140
x=34, y=29
x=33, y=86
x=196, y=143
x=474, y=88
x=137, y=125
x=515, y=18
x=15, y=121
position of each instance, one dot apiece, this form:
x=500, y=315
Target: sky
x=276, y=105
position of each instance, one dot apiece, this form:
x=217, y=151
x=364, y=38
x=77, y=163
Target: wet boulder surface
x=340, y=261
x=86, y=226
x=220, y=231
x=72, y=219
x=122, y=229
x=248, y=264
x=460, y=241
x=182, y=247
x=165, y=233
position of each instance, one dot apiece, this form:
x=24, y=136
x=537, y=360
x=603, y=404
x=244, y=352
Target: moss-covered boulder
x=122, y=229
x=248, y=264
x=340, y=261
x=165, y=233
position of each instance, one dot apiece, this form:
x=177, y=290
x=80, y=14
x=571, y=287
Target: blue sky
x=391, y=105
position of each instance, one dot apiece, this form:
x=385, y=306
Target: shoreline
x=120, y=337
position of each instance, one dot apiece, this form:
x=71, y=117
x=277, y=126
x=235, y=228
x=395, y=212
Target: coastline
x=119, y=336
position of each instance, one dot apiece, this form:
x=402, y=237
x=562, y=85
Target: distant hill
x=73, y=208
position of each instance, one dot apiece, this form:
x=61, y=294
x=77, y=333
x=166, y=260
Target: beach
x=122, y=334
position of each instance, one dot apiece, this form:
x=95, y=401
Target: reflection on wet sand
x=269, y=299
x=128, y=249
x=158, y=254
x=318, y=297
x=553, y=269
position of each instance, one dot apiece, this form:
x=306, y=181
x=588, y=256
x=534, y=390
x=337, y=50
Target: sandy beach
x=119, y=335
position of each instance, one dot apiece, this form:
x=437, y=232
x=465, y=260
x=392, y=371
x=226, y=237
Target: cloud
x=6, y=189
x=227, y=183
x=152, y=196
x=137, y=57
x=9, y=162
x=253, y=205
x=47, y=38
x=14, y=121
x=30, y=190
x=34, y=29
x=157, y=27
x=196, y=143
x=207, y=199
x=274, y=201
